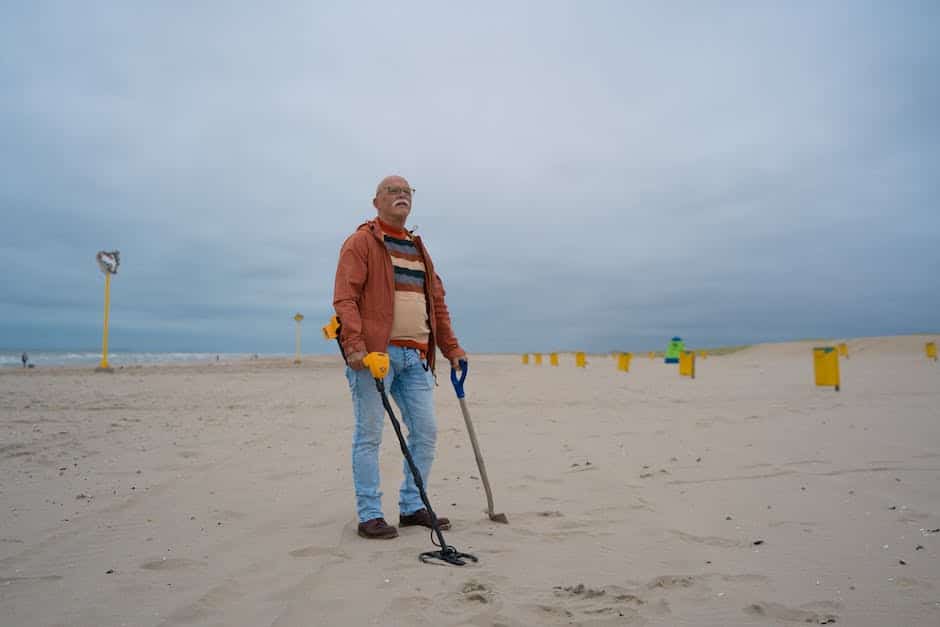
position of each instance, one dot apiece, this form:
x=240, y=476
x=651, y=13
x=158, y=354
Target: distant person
x=24, y=358
x=409, y=322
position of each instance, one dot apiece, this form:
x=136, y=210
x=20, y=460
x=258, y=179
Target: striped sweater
x=410, y=319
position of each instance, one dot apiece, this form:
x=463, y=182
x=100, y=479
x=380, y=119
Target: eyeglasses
x=394, y=191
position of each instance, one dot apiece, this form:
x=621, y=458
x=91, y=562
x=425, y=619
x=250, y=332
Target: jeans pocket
x=428, y=376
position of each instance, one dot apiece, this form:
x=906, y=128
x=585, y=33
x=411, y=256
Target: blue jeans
x=412, y=388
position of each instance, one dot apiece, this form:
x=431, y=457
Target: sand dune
x=221, y=495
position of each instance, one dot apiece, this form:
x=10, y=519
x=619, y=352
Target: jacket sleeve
x=444, y=334
x=351, y=272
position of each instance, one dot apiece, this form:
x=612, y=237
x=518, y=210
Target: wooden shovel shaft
x=478, y=455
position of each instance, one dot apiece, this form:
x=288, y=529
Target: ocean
x=11, y=359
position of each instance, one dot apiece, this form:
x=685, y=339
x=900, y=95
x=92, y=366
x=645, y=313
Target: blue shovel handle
x=458, y=383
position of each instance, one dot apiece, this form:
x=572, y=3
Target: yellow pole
x=107, y=307
x=826, y=366
x=687, y=364
x=299, y=318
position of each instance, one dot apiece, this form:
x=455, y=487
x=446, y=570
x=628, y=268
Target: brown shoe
x=377, y=529
x=423, y=518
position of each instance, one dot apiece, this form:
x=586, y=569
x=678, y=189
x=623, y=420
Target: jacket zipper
x=427, y=296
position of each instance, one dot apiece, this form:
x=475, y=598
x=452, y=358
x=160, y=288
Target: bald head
x=393, y=200
x=391, y=181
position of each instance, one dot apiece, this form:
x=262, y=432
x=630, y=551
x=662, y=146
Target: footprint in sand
x=580, y=600
x=475, y=591
x=409, y=605
x=909, y=582
x=552, y=612
x=170, y=563
x=726, y=543
x=775, y=611
x=579, y=590
x=317, y=551
x=556, y=526
x=668, y=582
x=643, y=504
x=203, y=608
x=583, y=469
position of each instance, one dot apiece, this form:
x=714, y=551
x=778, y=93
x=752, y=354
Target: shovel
x=458, y=388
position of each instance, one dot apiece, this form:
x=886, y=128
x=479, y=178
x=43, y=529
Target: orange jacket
x=364, y=296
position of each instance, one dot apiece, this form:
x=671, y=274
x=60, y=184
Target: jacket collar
x=373, y=226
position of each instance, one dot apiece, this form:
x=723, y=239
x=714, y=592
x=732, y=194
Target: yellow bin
x=687, y=364
x=623, y=362
x=553, y=359
x=525, y=359
x=826, y=366
x=538, y=359
x=579, y=360
x=844, y=350
x=931, y=350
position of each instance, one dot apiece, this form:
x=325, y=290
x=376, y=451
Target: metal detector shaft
x=378, y=364
x=416, y=475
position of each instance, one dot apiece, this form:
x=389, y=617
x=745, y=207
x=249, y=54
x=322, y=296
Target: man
x=25, y=359
x=388, y=299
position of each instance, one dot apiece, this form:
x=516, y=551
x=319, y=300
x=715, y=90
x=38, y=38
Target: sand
x=220, y=494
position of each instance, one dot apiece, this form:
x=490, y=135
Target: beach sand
x=221, y=494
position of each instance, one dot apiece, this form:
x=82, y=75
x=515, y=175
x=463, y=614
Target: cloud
x=593, y=176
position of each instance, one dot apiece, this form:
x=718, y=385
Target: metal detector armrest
x=331, y=330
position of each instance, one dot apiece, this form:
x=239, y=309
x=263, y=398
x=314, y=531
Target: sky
x=590, y=175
